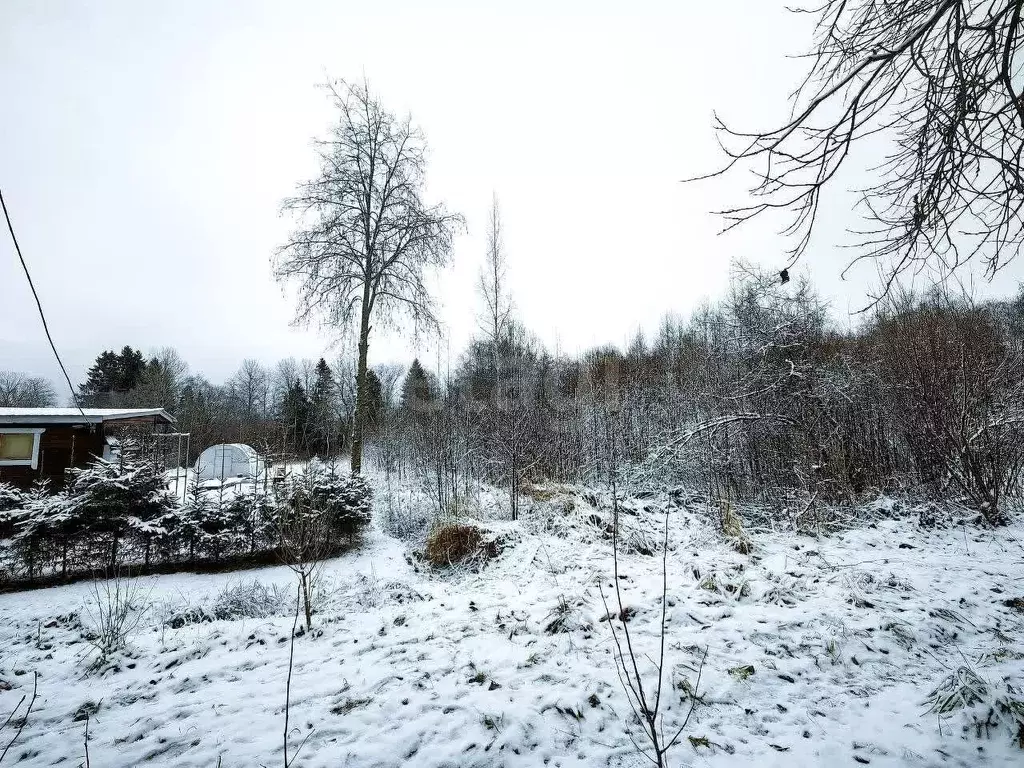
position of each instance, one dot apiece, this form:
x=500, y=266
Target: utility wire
x=42, y=315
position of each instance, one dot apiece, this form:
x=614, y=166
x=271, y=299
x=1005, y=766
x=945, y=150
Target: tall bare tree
x=513, y=361
x=494, y=292
x=941, y=81
x=285, y=373
x=365, y=233
x=250, y=389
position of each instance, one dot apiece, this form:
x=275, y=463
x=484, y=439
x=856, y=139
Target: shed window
x=19, y=447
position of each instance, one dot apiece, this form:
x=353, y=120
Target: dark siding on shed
x=60, y=447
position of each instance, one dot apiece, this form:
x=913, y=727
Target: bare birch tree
x=365, y=234
x=493, y=291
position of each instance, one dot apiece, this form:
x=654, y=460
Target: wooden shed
x=44, y=442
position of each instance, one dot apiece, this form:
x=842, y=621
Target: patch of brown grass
x=732, y=527
x=541, y=492
x=452, y=544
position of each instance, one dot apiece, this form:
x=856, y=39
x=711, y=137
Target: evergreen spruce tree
x=125, y=497
x=323, y=427
x=192, y=517
x=34, y=527
x=112, y=376
x=10, y=505
x=294, y=412
x=342, y=499
x=418, y=392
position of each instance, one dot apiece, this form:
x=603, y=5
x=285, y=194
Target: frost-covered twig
x=645, y=703
x=24, y=720
x=87, y=739
x=288, y=684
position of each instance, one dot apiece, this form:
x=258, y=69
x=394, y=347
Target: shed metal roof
x=16, y=416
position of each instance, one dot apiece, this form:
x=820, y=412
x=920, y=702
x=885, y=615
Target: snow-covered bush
x=10, y=499
x=121, y=499
x=404, y=513
x=248, y=600
x=31, y=526
x=342, y=500
x=252, y=515
x=10, y=502
x=221, y=525
x=985, y=707
x=566, y=617
x=116, y=513
x=185, y=530
x=46, y=528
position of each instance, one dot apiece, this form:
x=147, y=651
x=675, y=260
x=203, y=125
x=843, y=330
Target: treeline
x=295, y=408
x=20, y=390
x=759, y=398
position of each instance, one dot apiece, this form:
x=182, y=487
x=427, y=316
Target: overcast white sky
x=145, y=147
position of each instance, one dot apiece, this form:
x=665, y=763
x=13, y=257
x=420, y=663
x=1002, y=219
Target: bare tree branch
x=938, y=80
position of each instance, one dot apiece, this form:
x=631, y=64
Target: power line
x=42, y=315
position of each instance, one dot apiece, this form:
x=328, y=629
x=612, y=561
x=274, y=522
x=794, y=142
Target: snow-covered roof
x=80, y=416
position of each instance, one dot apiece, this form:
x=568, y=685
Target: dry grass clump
x=545, y=492
x=732, y=527
x=450, y=544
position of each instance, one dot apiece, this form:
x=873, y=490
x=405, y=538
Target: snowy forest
x=759, y=398
x=761, y=533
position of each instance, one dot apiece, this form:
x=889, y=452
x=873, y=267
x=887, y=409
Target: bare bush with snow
x=117, y=607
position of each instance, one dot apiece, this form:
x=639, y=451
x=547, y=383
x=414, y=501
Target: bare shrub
x=305, y=543
x=118, y=606
x=248, y=600
x=955, y=388
x=641, y=675
x=404, y=516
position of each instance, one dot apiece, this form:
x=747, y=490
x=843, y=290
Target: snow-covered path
x=845, y=635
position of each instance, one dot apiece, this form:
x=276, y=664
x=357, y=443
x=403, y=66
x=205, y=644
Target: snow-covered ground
x=819, y=651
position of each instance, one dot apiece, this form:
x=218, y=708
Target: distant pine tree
x=295, y=413
x=418, y=392
x=112, y=375
x=132, y=365
x=100, y=379
x=324, y=427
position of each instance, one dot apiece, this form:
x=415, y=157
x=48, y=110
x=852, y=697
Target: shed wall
x=60, y=447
